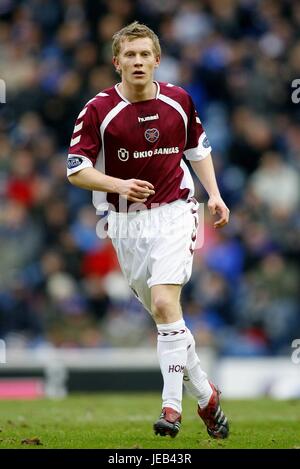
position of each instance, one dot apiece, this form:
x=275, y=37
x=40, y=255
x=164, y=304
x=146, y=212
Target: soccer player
x=128, y=147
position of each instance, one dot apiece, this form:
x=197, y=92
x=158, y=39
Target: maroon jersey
x=142, y=140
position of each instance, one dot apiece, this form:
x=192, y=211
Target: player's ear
x=115, y=61
x=157, y=61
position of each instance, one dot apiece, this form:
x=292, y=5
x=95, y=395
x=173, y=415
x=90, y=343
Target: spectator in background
x=276, y=184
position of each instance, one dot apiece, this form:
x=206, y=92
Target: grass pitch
x=125, y=421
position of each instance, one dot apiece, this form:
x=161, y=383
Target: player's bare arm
x=135, y=190
x=204, y=170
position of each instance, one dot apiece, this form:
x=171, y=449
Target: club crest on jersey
x=152, y=135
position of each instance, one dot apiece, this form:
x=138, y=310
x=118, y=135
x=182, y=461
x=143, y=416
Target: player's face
x=137, y=61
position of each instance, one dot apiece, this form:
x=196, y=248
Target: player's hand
x=136, y=190
x=217, y=206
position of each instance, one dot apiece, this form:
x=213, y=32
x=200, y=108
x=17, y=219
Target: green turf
x=125, y=421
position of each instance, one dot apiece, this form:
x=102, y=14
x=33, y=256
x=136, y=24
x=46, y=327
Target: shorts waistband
x=146, y=212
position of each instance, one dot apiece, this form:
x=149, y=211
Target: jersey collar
x=128, y=102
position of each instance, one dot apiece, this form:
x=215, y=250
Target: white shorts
x=155, y=246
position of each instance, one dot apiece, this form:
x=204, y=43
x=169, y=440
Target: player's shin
x=172, y=355
x=195, y=379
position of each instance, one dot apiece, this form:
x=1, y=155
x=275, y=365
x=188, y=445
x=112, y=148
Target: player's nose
x=138, y=60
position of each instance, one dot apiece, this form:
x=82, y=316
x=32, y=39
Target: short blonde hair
x=133, y=31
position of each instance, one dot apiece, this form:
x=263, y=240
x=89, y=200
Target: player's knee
x=163, y=308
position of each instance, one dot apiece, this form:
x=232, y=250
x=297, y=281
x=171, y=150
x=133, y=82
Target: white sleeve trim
x=200, y=152
x=76, y=163
x=171, y=102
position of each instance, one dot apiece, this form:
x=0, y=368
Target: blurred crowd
x=60, y=285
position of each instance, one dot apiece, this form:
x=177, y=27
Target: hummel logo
x=176, y=368
x=148, y=118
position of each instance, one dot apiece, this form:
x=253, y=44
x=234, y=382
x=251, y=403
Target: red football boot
x=213, y=416
x=168, y=423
